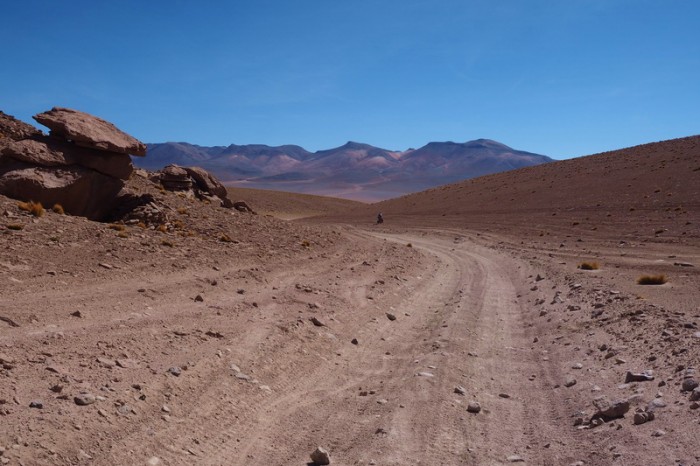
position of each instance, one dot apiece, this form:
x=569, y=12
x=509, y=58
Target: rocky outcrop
x=195, y=180
x=51, y=152
x=89, y=131
x=13, y=129
x=82, y=165
x=174, y=178
x=80, y=191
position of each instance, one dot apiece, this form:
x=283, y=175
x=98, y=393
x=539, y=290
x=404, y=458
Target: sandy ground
x=178, y=348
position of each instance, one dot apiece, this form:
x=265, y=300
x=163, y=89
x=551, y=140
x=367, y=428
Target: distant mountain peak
x=353, y=169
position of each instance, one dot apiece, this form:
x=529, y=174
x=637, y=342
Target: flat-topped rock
x=89, y=131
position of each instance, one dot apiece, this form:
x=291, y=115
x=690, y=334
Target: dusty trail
x=389, y=399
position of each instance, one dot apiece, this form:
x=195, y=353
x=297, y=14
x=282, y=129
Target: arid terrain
x=460, y=331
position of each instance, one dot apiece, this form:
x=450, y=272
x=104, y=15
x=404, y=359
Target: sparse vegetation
x=58, y=208
x=117, y=226
x=34, y=208
x=652, y=279
x=167, y=243
x=182, y=211
x=162, y=228
x=123, y=234
x=225, y=238
x=15, y=226
x=588, y=266
x=305, y=244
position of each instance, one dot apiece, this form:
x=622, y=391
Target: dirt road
x=222, y=365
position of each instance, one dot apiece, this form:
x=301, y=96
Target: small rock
x=199, y=298
x=460, y=390
x=689, y=384
x=321, y=456
x=354, y=341
x=658, y=433
x=643, y=416
x=426, y=374
x=176, y=371
x=695, y=394
x=390, y=316
x=84, y=399
x=504, y=395
x=104, y=362
x=569, y=381
x=578, y=365
x=516, y=459
x=38, y=404
x=473, y=407
x=694, y=405
x=642, y=377
x=317, y=322
x=607, y=410
x=77, y=314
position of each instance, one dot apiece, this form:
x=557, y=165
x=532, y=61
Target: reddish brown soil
x=469, y=308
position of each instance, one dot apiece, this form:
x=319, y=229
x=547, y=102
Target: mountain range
x=352, y=171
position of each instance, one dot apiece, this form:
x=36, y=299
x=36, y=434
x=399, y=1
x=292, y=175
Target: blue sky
x=562, y=78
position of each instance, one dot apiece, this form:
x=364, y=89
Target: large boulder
x=206, y=182
x=51, y=152
x=174, y=178
x=81, y=191
x=14, y=129
x=89, y=131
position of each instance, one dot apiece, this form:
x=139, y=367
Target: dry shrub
x=225, y=238
x=178, y=225
x=305, y=244
x=58, y=208
x=34, y=208
x=652, y=279
x=167, y=243
x=182, y=211
x=141, y=225
x=15, y=226
x=162, y=228
x=117, y=226
x=123, y=234
x=588, y=266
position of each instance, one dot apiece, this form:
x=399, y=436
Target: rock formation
x=89, y=131
x=82, y=165
x=194, y=180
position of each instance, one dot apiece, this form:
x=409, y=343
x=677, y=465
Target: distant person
x=380, y=218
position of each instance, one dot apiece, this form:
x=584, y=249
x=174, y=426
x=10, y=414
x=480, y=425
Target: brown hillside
x=643, y=189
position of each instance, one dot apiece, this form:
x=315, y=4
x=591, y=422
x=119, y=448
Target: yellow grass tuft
x=588, y=266
x=123, y=234
x=652, y=279
x=15, y=226
x=117, y=226
x=58, y=208
x=162, y=228
x=34, y=208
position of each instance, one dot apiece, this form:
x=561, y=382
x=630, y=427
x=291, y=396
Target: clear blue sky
x=560, y=77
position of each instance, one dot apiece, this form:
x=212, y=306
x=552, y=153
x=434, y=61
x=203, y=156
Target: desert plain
x=463, y=330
